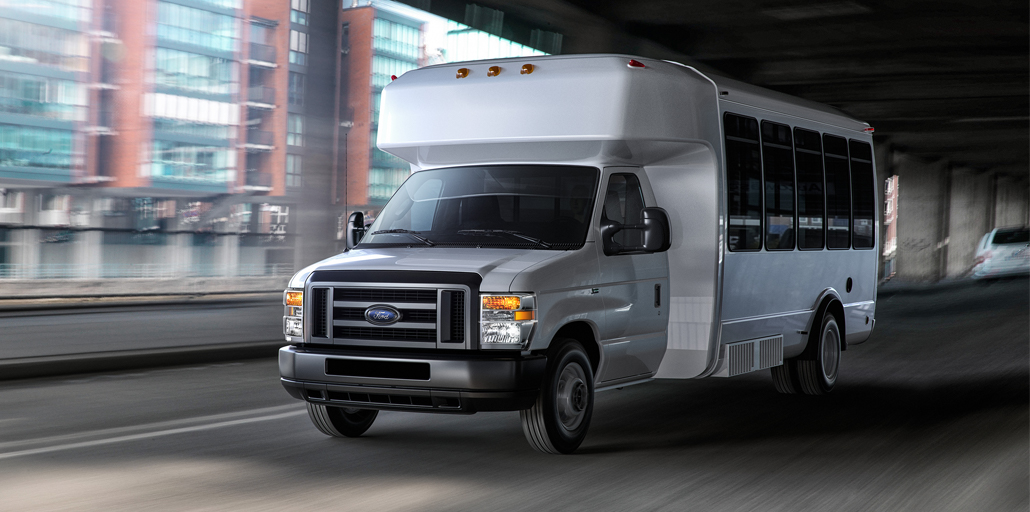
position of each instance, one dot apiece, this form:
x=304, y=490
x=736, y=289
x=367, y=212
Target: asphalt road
x=930, y=414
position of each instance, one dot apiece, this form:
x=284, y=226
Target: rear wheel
x=817, y=373
x=558, y=421
x=340, y=421
x=785, y=377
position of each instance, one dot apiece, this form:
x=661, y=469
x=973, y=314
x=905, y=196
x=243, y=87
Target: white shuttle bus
x=579, y=223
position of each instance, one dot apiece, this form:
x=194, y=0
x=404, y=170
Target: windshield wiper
x=497, y=232
x=413, y=234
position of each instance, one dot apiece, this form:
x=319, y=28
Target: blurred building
x=204, y=138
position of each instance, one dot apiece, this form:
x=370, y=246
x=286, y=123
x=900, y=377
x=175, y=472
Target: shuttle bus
x=574, y=224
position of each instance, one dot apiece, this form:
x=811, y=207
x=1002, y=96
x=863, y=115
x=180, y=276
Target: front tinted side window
x=863, y=195
x=623, y=203
x=838, y=192
x=778, y=160
x=743, y=183
x=808, y=152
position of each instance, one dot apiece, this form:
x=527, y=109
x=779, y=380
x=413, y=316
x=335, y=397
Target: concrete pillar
x=922, y=219
x=969, y=215
x=1011, y=201
x=227, y=255
x=883, y=155
x=26, y=255
x=88, y=253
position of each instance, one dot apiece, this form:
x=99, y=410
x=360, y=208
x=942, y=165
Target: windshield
x=526, y=206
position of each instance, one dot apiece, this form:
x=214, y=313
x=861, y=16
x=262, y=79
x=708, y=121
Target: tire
x=785, y=377
x=560, y=417
x=817, y=373
x=339, y=421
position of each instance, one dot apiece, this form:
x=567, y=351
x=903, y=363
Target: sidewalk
x=70, y=335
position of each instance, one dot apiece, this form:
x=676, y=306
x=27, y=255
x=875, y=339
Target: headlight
x=293, y=315
x=506, y=321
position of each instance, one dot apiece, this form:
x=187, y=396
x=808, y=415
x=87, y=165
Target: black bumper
x=444, y=383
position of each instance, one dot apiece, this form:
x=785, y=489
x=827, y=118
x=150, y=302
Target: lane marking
x=147, y=435
x=146, y=426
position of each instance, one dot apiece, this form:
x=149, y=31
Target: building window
x=382, y=183
x=293, y=168
x=298, y=48
x=295, y=130
x=24, y=146
x=190, y=162
x=383, y=67
x=395, y=38
x=299, y=10
x=42, y=97
x=182, y=24
x=194, y=72
x=296, y=89
x=47, y=46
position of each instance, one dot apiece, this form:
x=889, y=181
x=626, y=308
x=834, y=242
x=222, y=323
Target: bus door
x=634, y=287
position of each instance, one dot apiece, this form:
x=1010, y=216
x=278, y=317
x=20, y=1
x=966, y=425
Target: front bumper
x=447, y=382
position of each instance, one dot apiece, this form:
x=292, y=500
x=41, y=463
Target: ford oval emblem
x=382, y=315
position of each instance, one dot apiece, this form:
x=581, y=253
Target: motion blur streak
x=147, y=435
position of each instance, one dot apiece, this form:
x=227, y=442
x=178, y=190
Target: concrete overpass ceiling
x=943, y=79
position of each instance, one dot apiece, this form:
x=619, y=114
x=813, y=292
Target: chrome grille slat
x=398, y=325
x=398, y=305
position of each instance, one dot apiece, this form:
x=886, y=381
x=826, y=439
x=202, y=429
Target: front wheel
x=558, y=421
x=340, y=421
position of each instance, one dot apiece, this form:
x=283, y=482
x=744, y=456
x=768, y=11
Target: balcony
x=261, y=97
x=262, y=55
x=259, y=140
x=258, y=181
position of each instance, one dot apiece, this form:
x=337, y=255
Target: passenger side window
x=808, y=152
x=623, y=202
x=863, y=195
x=838, y=192
x=743, y=183
x=778, y=160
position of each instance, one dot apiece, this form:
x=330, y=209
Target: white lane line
x=146, y=426
x=147, y=435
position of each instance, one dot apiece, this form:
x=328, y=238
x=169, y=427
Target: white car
x=1003, y=252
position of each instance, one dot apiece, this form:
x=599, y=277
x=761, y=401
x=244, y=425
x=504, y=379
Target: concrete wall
x=922, y=200
x=969, y=217
x=1012, y=201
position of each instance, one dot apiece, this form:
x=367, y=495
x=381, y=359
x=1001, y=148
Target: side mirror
x=654, y=223
x=355, y=229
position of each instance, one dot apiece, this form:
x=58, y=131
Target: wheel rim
x=831, y=352
x=573, y=396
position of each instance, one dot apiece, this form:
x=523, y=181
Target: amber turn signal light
x=294, y=298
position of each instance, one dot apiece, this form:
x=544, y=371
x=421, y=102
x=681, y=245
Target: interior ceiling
x=941, y=80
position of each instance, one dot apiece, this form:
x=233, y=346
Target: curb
x=52, y=366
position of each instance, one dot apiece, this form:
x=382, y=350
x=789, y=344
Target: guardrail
x=139, y=271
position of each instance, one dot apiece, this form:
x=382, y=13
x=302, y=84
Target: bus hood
x=497, y=267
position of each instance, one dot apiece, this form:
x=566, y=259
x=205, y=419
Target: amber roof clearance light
x=493, y=71
x=527, y=69
x=462, y=73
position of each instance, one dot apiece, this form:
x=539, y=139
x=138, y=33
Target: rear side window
x=863, y=195
x=743, y=183
x=838, y=192
x=1017, y=236
x=808, y=152
x=778, y=161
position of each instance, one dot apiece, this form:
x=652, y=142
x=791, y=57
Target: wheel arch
x=585, y=334
x=829, y=301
